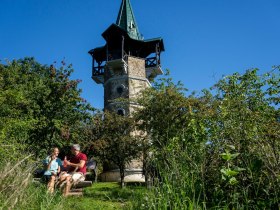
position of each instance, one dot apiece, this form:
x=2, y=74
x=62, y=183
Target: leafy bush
x=40, y=106
x=217, y=150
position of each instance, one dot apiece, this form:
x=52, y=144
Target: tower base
x=131, y=175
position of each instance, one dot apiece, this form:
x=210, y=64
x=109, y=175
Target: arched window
x=121, y=112
x=120, y=89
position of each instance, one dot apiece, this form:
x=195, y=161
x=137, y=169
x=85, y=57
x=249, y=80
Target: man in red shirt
x=76, y=168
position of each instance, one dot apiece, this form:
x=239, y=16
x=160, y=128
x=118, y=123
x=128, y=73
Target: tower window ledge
x=98, y=79
x=136, y=57
x=155, y=70
x=119, y=63
x=116, y=63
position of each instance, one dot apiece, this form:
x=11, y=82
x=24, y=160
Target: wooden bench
x=91, y=175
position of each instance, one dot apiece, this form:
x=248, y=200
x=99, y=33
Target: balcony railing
x=152, y=62
x=98, y=70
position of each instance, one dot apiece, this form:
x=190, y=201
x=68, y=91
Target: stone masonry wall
x=136, y=67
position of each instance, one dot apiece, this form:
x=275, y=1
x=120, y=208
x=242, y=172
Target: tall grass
x=177, y=185
x=187, y=182
x=17, y=190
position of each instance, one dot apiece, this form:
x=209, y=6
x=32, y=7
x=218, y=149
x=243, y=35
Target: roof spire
x=126, y=20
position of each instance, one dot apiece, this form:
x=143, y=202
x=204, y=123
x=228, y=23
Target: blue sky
x=204, y=39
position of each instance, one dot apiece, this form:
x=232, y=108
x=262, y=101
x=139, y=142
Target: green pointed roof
x=126, y=20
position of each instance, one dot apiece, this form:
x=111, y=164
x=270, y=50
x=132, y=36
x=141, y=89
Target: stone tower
x=126, y=64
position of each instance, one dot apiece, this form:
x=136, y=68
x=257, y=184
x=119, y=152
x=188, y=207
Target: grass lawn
x=104, y=196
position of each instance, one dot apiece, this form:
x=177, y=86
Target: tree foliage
x=175, y=124
x=222, y=146
x=115, y=140
x=40, y=106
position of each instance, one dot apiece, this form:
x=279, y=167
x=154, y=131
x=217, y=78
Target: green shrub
x=219, y=150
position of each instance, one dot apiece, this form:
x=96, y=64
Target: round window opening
x=121, y=112
x=120, y=90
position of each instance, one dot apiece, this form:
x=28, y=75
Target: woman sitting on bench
x=52, y=165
